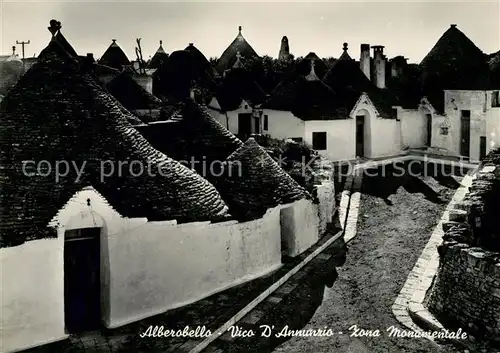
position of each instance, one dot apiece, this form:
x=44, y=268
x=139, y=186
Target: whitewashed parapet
x=325, y=194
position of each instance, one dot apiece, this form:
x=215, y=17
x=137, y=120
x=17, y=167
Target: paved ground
x=398, y=216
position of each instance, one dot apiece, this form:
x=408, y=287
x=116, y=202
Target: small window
x=444, y=130
x=465, y=113
x=266, y=122
x=495, y=99
x=319, y=141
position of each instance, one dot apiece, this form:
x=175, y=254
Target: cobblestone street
x=397, y=216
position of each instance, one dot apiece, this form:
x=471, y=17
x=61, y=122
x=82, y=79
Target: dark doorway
x=482, y=147
x=82, y=285
x=360, y=136
x=244, y=124
x=429, y=129
x=465, y=133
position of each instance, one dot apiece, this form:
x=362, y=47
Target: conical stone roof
x=57, y=113
x=494, y=63
x=253, y=182
x=182, y=71
x=11, y=70
x=236, y=86
x=130, y=94
x=159, y=59
x=307, y=99
x=114, y=57
x=194, y=135
x=304, y=65
x=228, y=57
x=200, y=62
x=454, y=62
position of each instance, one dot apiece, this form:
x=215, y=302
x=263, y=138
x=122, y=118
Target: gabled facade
x=459, y=112
x=342, y=121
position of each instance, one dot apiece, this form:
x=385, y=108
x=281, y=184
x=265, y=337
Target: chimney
x=398, y=65
x=364, y=60
x=284, y=49
x=379, y=66
x=90, y=57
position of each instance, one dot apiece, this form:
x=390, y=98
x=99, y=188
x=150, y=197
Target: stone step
x=456, y=215
x=448, y=225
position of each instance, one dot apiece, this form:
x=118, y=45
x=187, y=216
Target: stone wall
x=466, y=292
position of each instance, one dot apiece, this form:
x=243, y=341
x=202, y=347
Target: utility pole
x=23, y=43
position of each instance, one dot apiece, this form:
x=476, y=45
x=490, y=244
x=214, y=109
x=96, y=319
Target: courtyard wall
x=466, y=292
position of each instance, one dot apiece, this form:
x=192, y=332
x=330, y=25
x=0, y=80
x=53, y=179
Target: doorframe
x=363, y=131
x=483, y=152
x=248, y=117
x=428, y=129
x=103, y=275
x=468, y=119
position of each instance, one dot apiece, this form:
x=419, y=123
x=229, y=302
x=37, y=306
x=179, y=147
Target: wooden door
x=244, y=124
x=465, y=134
x=82, y=287
x=429, y=129
x=482, y=147
x=360, y=136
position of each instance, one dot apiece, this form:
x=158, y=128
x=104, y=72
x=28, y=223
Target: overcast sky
x=405, y=28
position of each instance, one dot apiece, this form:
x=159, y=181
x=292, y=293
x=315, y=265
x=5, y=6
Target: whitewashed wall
x=341, y=138
x=382, y=137
x=413, y=128
x=283, y=124
x=220, y=117
x=484, y=122
x=147, y=267
x=32, y=294
x=479, y=103
x=299, y=227
x=161, y=265
x=385, y=137
x=493, y=129
x=230, y=121
x=326, y=206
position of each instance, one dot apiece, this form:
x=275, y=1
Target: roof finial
x=238, y=64
x=54, y=27
x=239, y=29
x=114, y=41
x=345, y=47
x=13, y=50
x=312, y=75
x=453, y=25
x=161, y=42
